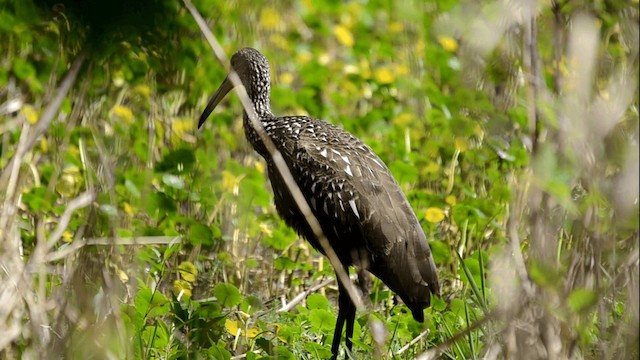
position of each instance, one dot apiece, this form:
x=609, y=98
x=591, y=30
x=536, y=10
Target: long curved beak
x=223, y=90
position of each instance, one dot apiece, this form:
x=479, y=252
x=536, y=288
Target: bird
x=361, y=208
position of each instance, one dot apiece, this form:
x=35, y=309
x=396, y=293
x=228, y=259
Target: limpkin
x=361, y=209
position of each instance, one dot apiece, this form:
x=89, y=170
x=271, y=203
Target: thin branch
x=83, y=200
x=11, y=171
x=415, y=340
x=66, y=250
x=298, y=298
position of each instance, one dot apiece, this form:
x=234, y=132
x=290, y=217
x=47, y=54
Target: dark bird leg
x=346, y=311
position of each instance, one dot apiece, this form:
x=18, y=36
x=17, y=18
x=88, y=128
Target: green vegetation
x=127, y=233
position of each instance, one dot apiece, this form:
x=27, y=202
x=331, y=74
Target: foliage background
x=126, y=233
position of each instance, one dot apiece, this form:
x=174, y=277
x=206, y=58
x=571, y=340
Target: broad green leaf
x=317, y=301
x=173, y=181
x=37, y=199
x=227, y=294
x=150, y=304
x=322, y=320
x=200, y=234
x=219, y=352
x=318, y=351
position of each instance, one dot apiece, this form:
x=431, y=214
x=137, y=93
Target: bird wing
x=348, y=185
x=345, y=176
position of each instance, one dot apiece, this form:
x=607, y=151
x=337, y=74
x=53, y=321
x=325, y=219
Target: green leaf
x=317, y=301
x=322, y=320
x=440, y=252
x=200, y=234
x=438, y=304
x=150, y=304
x=177, y=161
x=251, y=304
x=318, y=351
x=159, y=203
x=284, y=263
x=23, y=69
x=404, y=172
x=227, y=294
x=36, y=199
x=219, y=352
x=108, y=210
x=132, y=188
x=281, y=352
x=581, y=300
x=281, y=237
x=173, y=181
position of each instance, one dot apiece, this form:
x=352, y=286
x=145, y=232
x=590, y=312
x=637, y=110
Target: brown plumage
x=362, y=210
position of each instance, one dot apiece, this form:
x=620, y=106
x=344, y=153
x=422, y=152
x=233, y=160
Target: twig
x=81, y=201
x=298, y=298
x=9, y=207
x=415, y=340
x=142, y=240
x=280, y=164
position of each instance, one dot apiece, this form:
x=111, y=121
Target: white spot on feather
x=348, y=170
x=352, y=203
x=323, y=152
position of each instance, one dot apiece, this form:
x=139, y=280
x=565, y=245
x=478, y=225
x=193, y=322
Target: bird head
x=253, y=70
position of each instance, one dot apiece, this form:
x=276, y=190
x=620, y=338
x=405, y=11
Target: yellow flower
x=265, y=229
x=344, y=35
x=232, y=328
x=44, y=145
x=384, y=75
x=182, y=286
x=451, y=200
x=404, y=119
x=461, y=144
x=304, y=57
x=188, y=271
x=448, y=43
x=259, y=167
x=269, y=18
x=286, y=78
x=128, y=208
x=180, y=126
x=143, y=90
x=229, y=181
x=434, y=215
x=30, y=114
x=395, y=27
x=123, y=113
x=433, y=167
x=67, y=236
x=252, y=332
